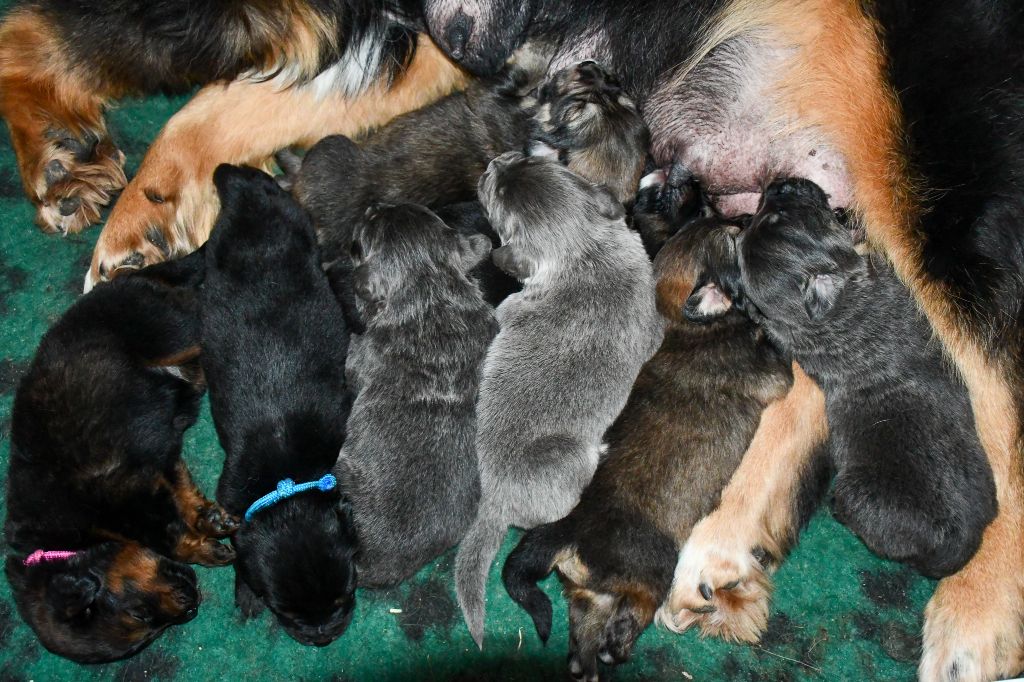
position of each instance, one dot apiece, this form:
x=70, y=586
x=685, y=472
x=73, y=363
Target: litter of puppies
x=477, y=316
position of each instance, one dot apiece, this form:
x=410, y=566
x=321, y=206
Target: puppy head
x=795, y=257
x=298, y=559
x=401, y=247
x=603, y=627
x=106, y=602
x=697, y=271
x=258, y=222
x=545, y=214
x=586, y=119
x=666, y=201
x=481, y=35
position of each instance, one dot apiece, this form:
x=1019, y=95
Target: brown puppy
x=692, y=413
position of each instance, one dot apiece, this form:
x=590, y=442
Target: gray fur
x=409, y=466
x=571, y=345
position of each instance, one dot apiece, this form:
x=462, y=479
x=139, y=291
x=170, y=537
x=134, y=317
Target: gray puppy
x=571, y=345
x=408, y=466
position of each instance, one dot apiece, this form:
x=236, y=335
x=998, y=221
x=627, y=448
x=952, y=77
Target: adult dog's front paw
x=719, y=585
x=74, y=177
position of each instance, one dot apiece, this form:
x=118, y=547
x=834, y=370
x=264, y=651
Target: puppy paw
x=205, y=551
x=719, y=586
x=214, y=521
x=972, y=635
x=74, y=178
x=247, y=601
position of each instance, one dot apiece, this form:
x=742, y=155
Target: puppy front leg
x=202, y=521
x=169, y=207
x=247, y=601
x=720, y=584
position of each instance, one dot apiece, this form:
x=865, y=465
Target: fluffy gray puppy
x=408, y=465
x=571, y=344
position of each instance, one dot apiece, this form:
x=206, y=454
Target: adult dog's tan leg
x=719, y=584
x=169, y=207
x=68, y=164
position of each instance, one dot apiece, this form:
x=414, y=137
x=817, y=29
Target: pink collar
x=39, y=556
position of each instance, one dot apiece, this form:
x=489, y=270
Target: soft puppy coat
x=912, y=479
x=274, y=346
x=96, y=468
x=409, y=462
x=571, y=345
x=691, y=414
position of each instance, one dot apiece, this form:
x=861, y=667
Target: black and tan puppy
x=409, y=463
x=274, y=345
x=912, y=478
x=689, y=419
x=96, y=472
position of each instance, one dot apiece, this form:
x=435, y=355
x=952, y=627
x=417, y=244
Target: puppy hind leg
x=69, y=166
x=170, y=206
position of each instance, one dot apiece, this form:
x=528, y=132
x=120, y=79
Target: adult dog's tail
x=472, y=565
x=529, y=563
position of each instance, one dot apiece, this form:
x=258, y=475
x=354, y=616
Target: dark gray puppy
x=408, y=465
x=912, y=478
x=571, y=345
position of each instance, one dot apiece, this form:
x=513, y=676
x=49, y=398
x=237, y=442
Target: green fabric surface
x=838, y=613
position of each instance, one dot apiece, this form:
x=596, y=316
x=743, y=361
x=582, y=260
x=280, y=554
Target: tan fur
x=41, y=94
x=756, y=510
x=245, y=122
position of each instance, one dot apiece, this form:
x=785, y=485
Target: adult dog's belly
x=726, y=122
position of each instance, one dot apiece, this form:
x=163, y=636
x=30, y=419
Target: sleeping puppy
x=584, y=115
x=409, y=463
x=912, y=479
x=570, y=347
x=692, y=412
x=101, y=509
x=274, y=344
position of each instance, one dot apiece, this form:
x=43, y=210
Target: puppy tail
x=472, y=565
x=529, y=563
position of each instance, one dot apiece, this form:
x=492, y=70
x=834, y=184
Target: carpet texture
x=838, y=613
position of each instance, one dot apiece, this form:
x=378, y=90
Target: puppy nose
x=458, y=35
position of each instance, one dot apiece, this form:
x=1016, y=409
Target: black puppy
x=274, y=346
x=101, y=509
x=912, y=479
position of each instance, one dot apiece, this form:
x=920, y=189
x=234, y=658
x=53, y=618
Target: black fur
x=95, y=466
x=151, y=45
x=912, y=479
x=274, y=347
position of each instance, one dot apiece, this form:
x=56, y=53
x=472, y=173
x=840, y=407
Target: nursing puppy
x=435, y=156
x=409, y=461
x=912, y=478
x=570, y=347
x=692, y=412
x=96, y=479
x=274, y=345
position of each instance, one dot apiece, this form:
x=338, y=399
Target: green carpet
x=838, y=612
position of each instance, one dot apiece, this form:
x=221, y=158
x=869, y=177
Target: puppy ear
x=707, y=302
x=473, y=249
x=513, y=262
x=821, y=293
x=71, y=595
x=607, y=205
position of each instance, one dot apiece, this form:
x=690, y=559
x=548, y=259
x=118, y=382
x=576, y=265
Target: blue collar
x=286, y=489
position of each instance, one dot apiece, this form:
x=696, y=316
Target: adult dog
x=287, y=72
x=855, y=97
